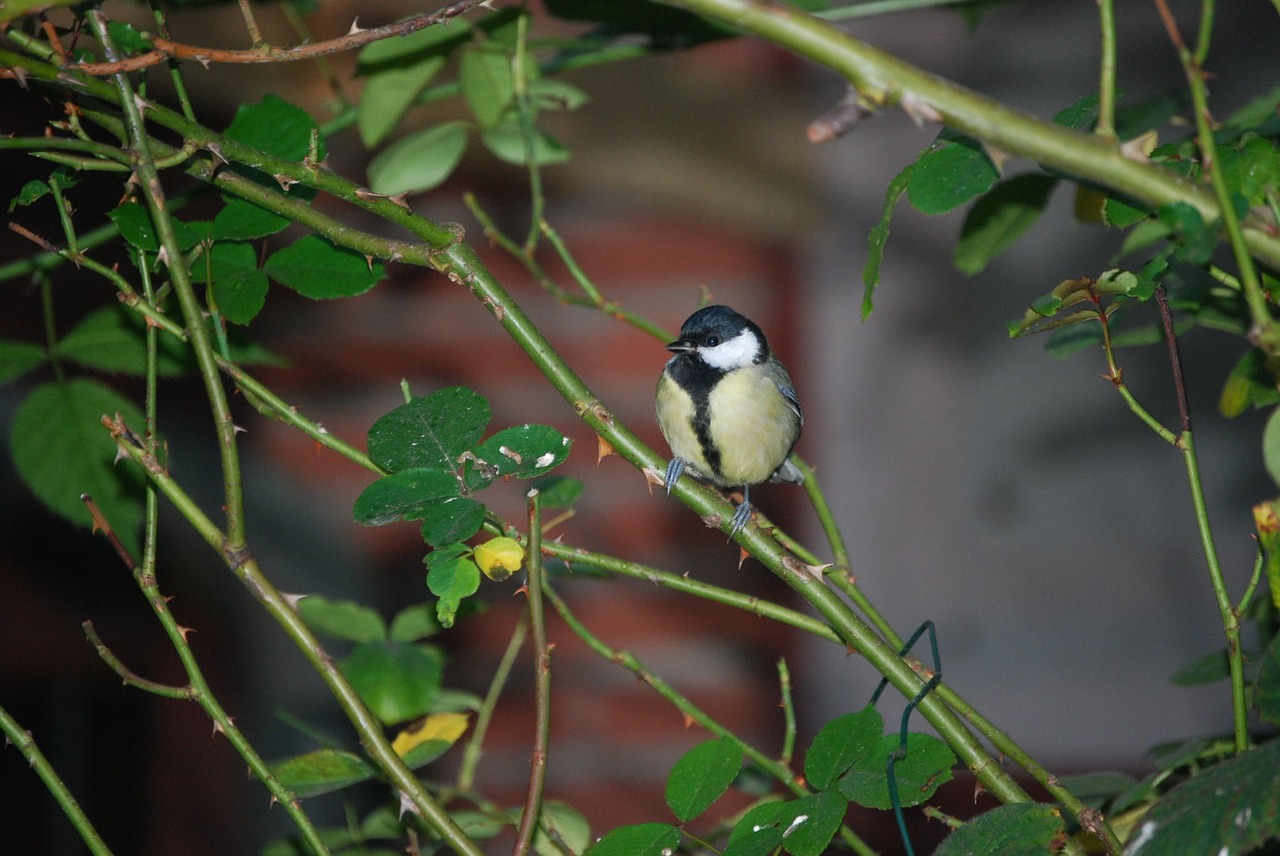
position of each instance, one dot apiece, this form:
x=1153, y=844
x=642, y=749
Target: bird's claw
x=741, y=515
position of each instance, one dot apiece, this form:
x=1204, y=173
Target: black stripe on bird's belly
x=698, y=379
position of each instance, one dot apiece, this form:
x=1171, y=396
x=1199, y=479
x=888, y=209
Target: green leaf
x=1009, y=830
x=558, y=822
x=17, y=358
x=999, y=218
x=431, y=431
x=414, y=623
x=61, y=451
x=558, y=491
x=701, y=776
x=1210, y=668
x=127, y=38
x=31, y=191
x=949, y=175
x=556, y=94
x=1252, y=170
x=396, y=681
x=276, y=127
x=315, y=268
x=420, y=161
x=757, y=833
x=878, y=236
x=840, y=743
x=111, y=339
x=390, y=91
x=927, y=765
x=242, y=220
x=1197, y=240
x=664, y=26
x=1266, y=688
x=134, y=223
x=522, y=452
x=455, y=519
x=641, y=839
x=436, y=40
x=342, y=619
x=405, y=495
x=506, y=141
x=1230, y=807
x=488, y=85
x=1271, y=445
x=239, y=286
x=808, y=824
x=1080, y=116
x=451, y=580
x=322, y=771
x=1250, y=384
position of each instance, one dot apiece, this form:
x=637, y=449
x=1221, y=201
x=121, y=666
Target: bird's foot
x=741, y=515
x=674, y=469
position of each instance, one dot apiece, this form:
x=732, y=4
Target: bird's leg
x=674, y=469
x=742, y=513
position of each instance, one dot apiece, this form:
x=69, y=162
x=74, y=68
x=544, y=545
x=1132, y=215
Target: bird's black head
x=722, y=338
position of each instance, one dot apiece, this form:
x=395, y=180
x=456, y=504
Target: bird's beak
x=680, y=346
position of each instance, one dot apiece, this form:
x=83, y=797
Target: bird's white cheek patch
x=732, y=354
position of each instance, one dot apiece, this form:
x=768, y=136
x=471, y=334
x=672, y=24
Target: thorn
x=689, y=721
x=216, y=151
x=292, y=599
x=185, y=631
x=162, y=255
x=401, y=199
x=919, y=110
x=847, y=114
x=140, y=103
x=355, y=27
x=1140, y=147
x=285, y=182
x=604, y=449
x=236, y=429
x=742, y=556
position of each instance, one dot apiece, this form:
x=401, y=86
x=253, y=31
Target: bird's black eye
x=712, y=341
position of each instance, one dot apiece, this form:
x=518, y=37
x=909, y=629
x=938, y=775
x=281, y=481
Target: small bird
x=727, y=407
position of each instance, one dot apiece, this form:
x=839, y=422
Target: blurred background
x=1007, y=496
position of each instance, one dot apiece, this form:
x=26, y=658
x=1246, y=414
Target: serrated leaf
x=1230, y=807
x=949, y=175
x=390, y=91
x=522, y=452
x=999, y=218
x=641, y=839
x=239, y=286
x=1022, y=829
x=419, y=161
x=877, y=238
x=396, y=681
x=451, y=581
x=701, y=776
x=342, y=619
x=431, y=431
x=316, y=268
x=17, y=358
x=506, y=140
x=242, y=220
x=322, y=771
x=275, y=126
x=840, y=743
x=488, y=85
x=499, y=558
x=414, y=622
x=926, y=765
x=61, y=451
x=455, y=519
x=808, y=824
x=1266, y=687
x=136, y=227
x=429, y=738
x=406, y=495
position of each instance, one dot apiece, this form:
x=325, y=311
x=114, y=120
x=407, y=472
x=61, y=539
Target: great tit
x=727, y=407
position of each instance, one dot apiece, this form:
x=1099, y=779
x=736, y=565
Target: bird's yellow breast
x=753, y=426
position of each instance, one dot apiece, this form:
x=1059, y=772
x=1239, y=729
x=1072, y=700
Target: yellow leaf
x=499, y=558
x=446, y=727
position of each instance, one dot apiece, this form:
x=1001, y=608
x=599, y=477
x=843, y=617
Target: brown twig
x=1175, y=359
x=166, y=49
